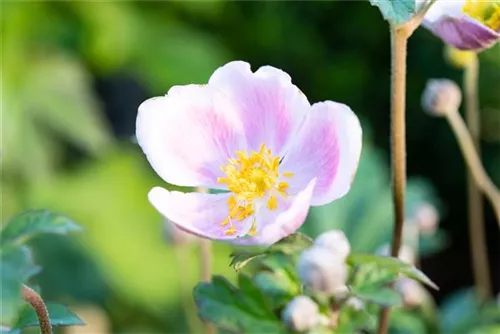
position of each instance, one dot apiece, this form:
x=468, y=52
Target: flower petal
x=188, y=134
x=327, y=147
x=270, y=106
x=273, y=226
x=442, y=8
x=196, y=213
x=463, y=32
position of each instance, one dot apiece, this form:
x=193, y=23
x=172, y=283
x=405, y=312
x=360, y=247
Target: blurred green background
x=74, y=73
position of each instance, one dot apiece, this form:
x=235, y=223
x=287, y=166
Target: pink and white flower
x=256, y=137
x=465, y=24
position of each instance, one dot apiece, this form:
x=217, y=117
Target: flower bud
x=413, y=293
x=341, y=293
x=355, y=303
x=321, y=271
x=406, y=254
x=441, y=96
x=175, y=235
x=427, y=218
x=335, y=241
x=301, y=314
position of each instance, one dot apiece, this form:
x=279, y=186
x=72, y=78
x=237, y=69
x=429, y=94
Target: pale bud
x=406, y=254
x=412, y=292
x=427, y=218
x=341, y=293
x=441, y=96
x=301, y=314
x=321, y=271
x=175, y=235
x=355, y=303
x=335, y=241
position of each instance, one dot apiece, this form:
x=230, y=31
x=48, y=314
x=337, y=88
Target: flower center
x=254, y=181
x=488, y=12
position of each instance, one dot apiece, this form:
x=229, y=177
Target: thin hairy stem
x=478, y=245
x=474, y=162
x=206, y=267
x=399, y=39
x=188, y=305
x=34, y=299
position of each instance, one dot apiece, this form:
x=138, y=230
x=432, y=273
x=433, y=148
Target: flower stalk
x=473, y=161
x=206, y=267
x=399, y=41
x=36, y=301
x=193, y=324
x=475, y=203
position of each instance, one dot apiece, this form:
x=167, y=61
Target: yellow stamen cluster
x=250, y=178
x=488, y=12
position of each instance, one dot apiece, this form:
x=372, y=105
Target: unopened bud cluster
x=322, y=267
x=441, y=96
x=301, y=314
x=323, y=271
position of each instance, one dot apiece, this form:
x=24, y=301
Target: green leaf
x=60, y=315
x=353, y=321
x=241, y=257
x=17, y=268
x=31, y=223
x=404, y=321
x=379, y=295
x=291, y=244
x=239, y=310
x=396, y=11
x=393, y=265
x=278, y=286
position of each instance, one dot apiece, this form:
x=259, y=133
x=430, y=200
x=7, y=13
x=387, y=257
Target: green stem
x=473, y=161
x=206, y=267
x=475, y=201
x=188, y=305
x=34, y=299
x=399, y=41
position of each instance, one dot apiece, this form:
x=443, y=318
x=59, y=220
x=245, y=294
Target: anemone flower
x=255, y=137
x=465, y=24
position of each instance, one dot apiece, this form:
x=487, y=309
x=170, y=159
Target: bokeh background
x=74, y=73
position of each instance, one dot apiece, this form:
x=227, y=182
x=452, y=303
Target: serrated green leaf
x=31, y=223
x=403, y=321
x=60, y=315
x=241, y=257
x=353, y=321
x=17, y=268
x=291, y=244
x=380, y=295
x=393, y=265
x=278, y=286
x=396, y=11
x=239, y=310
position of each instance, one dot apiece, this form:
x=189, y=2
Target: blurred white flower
x=321, y=271
x=335, y=241
x=355, y=303
x=413, y=293
x=427, y=218
x=301, y=314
